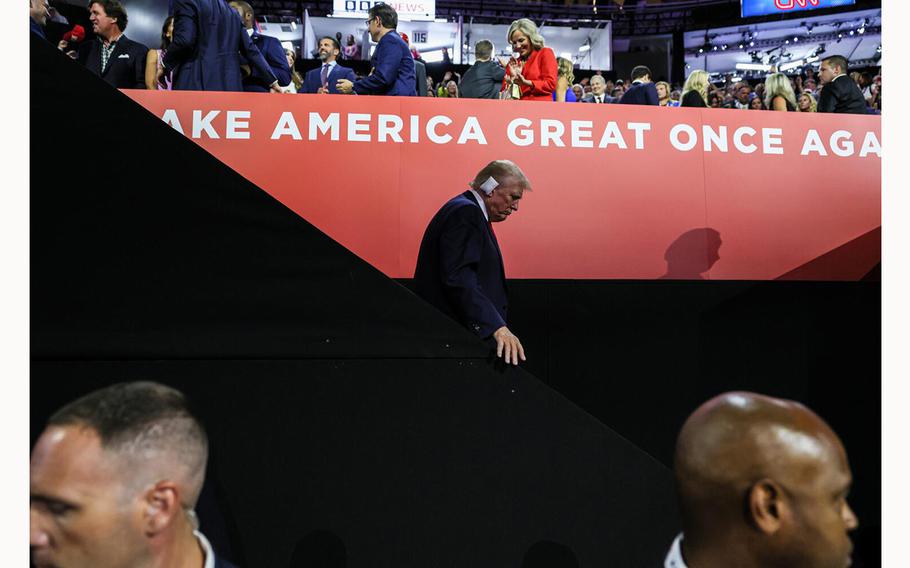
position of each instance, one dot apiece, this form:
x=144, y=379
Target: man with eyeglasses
x=393, y=65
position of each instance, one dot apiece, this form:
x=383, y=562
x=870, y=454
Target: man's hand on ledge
x=344, y=86
x=508, y=346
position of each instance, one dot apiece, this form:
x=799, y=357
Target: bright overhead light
x=753, y=67
x=792, y=65
x=566, y=55
x=585, y=47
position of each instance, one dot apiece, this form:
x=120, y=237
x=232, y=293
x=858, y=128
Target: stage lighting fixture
x=787, y=42
x=751, y=44
x=795, y=39
x=701, y=50
x=753, y=67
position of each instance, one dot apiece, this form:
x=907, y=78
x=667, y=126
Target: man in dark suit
x=642, y=91
x=37, y=17
x=483, y=80
x=420, y=69
x=123, y=466
x=393, y=64
x=323, y=78
x=205, y=51
x=598, y=94
x=112, y=56
x=459, y=266
x=755, y=477
x=840, y=93
x=269, y=47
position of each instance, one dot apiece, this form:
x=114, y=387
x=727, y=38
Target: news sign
x=767, y=7
x=415, y=10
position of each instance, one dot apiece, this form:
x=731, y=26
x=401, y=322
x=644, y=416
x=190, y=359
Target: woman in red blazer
x=534, y=72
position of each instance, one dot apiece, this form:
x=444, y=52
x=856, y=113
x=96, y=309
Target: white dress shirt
x=674, y=557
x=480, y=202
x=207, y=550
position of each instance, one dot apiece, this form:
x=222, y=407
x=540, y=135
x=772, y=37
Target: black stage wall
x=349, y=419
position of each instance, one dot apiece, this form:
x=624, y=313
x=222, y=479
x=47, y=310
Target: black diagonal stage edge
x=862, y=254
x=342, y=408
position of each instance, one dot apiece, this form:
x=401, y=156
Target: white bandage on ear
x=488, y=186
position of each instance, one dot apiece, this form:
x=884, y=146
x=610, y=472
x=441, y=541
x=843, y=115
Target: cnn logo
x=790, y=4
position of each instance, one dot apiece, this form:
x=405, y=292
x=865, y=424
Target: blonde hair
x=564, y=69
x=698, y=82
x=813, y=104
x=528, y=28
x=778, y=85
x=666, y=87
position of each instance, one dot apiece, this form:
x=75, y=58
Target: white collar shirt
x=674, y=557
x=480, y=202
x=207, y=550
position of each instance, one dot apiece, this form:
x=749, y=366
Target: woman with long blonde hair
x=807, y=102
x=663, y=93
x=695, y=91
x=779, y=93
x=565, y=76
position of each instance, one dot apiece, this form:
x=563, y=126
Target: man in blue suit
x=208, y=41
x=37, y=17
x=323, y=78
x=459, y=266
x=270, y=48
x=393, y=64
x=642, y=91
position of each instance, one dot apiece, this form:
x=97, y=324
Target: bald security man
x=114, y=479
x=762, y=482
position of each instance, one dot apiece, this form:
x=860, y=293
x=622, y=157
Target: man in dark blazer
x=420, y=69
x=483, y=80
x=205, y=51
x=323, y=78
x=840, y=93
x=459, y=266
x=642, y=91
x=37, y=17
x=393, y=64
x=112, y=56
x=598, y=92
x=268, y=46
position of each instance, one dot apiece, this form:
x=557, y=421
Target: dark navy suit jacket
x=393, y=69
x=641, y=94
x=313, y=79
x=271, y=50
x=208, y=42
x=459, y=267
x=219, y=563
x=125, y=67
x=36, y=28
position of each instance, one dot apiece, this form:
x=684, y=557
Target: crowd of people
x=192, y=56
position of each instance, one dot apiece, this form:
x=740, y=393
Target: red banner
x=619, y=192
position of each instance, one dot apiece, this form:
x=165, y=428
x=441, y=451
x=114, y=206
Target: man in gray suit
x=483, y=80
x=598, y=92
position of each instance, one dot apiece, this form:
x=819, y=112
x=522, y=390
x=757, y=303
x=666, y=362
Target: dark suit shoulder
x=465, y=207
